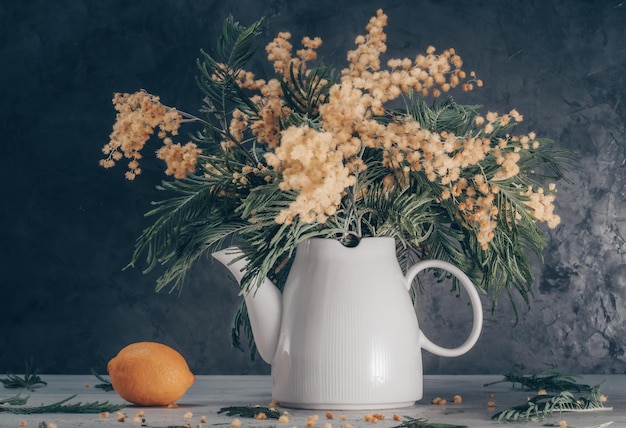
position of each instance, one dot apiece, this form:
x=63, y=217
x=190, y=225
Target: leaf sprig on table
x=423, y=423
x=16, y=400
x=561, y=400
x=63, y=406
x=106, y=384
x=250, y=411
x=550, y=380
x=29, y=381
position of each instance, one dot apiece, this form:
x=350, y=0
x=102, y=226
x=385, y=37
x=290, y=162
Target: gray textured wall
x=68, y=226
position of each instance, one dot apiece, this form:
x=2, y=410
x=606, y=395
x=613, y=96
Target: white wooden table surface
x=211, y=393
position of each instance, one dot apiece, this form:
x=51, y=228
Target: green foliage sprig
x=550, y=380
x=557, y=395
x=559, y=425
x=424, y=423
x=29, y=381
x=251, y=411
x=16, y=400
x=62, y=406
x=540, y=406
x=106, y=384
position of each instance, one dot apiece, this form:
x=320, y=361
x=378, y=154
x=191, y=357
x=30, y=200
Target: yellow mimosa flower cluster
x=321, y=159
x=139, y=114
x=542, y=205
x=310, y=164
x=180, y=160
x=348, y=118
x=349, y=124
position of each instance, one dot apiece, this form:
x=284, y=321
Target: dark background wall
x=67, y=227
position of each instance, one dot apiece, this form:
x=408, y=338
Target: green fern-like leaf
x=16, y=400
x=63, y=406
x=235, y=46
x=541, y=406
x=305, y=91
x=549, y=379
x=234, y=49
x=444, y=116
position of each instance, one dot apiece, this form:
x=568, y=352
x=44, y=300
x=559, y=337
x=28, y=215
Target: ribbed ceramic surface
x=349, y=337
x=345, y=326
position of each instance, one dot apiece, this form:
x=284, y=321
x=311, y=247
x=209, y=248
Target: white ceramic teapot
x=343, y=334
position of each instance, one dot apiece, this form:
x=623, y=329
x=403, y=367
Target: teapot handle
x=474, y=299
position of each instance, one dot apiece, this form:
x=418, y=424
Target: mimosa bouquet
x=378, y=148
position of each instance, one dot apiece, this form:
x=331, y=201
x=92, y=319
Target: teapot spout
x=264, y=304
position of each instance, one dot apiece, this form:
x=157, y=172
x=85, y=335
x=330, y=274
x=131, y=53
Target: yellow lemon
x=150, y=374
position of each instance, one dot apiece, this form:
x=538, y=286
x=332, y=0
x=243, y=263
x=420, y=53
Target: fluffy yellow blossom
x=267, y=128
x=238, y=125
x=542, y=206
x=279, y=52
x=516, y=116
x=180, y=160
x=310, y=164
x=139, y=114
x=309, y=53
x=491, y=116
x=246, y=80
